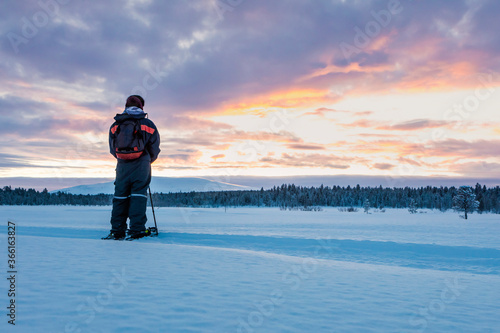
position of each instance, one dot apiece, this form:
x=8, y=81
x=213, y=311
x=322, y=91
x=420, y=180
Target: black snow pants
x=130, y=199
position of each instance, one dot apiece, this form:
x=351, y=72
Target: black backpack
x=128, y=140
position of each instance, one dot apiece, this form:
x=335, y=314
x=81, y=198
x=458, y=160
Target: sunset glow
x=264, y=89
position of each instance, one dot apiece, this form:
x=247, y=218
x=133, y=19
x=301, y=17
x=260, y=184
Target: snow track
x=424, y=256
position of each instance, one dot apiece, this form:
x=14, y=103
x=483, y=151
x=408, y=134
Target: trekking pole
x=153, y=208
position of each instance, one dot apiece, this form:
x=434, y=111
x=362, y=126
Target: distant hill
x=353, y=180
x=162, y=184
x=166, y=184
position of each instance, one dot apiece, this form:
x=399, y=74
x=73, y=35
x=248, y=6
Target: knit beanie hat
x=134, y=101
x=141, y=99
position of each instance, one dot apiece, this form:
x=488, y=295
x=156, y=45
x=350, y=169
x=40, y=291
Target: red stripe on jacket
x=114, y=128
x=148, y=129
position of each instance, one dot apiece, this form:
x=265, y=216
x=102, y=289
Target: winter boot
x=115, y=235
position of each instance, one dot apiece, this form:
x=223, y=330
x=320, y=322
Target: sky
x=254, y=87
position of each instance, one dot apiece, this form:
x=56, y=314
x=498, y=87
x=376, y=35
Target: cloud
x=221, y=140
x=9, y=161
x=321, y=112
x=416, y=124
x=62, y=87
x=363, y=59
x=218, y=156
x=362, y=123
x=378, y=136
x=188, y=150
x=465, y=149
x=12, y=161
x=309, y=161
x=306, y=147
x=189, y=123
x=404, y=160
x=383, y=166
x=445, y=149
x=363, y=113
x=197, y=59
x=411, y=125
x=477, y=169
x=24, y=120
x=182, y=157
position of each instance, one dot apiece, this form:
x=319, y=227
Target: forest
x=286, y=196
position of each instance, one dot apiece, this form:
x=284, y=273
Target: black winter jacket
x=150, y=132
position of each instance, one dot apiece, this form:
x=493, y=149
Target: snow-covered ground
x=254, y=270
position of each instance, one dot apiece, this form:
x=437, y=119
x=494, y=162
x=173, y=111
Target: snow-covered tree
x=412, y=206
x=465, y=200
x=366, y=205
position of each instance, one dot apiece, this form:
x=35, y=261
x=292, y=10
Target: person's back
x=135, y=142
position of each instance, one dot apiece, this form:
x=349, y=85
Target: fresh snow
x=254, y=270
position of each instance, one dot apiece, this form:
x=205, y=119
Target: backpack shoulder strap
x=114, y=127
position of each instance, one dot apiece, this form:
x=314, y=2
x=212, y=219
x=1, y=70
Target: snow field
x=255, y=270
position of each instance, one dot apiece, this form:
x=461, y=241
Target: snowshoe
x=115, y=236
x=137, y=235
x=152, y=231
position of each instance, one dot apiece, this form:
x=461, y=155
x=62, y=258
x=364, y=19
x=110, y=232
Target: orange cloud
x=216, y=157
x=377, y=147
x=362, y=123
x=259, y=105
x=282, y=137
x=429, y=70
x=309, y=161
x=447, y=152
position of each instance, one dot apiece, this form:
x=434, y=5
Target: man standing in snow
x=135, y=142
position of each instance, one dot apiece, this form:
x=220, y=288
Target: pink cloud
x=465, y=149
x=306, y=147
x=411, y=125
x=416, y=124
x=321, y=112
x=477, y=169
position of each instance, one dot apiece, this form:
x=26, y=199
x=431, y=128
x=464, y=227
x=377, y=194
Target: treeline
x=291, y=196
x=284, y=196
x=31, y=197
